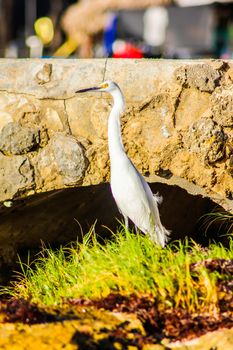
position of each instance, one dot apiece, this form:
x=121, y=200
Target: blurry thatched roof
x=89, y=17
x=84, y=20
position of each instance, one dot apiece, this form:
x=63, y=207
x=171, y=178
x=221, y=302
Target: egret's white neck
x=114, y=127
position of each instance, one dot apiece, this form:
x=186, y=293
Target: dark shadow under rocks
x=58, y=217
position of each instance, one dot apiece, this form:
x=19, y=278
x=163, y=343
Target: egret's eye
x=104, y=86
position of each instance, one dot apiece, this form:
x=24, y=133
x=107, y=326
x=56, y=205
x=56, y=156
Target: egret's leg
x=126, y=222
x=137, y=231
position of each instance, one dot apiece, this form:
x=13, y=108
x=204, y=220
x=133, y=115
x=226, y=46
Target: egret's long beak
x=88, y=89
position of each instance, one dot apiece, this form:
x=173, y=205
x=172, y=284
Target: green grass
x=127, y=264
x=223, y=220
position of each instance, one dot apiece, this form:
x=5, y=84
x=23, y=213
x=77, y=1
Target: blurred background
x=116, y=28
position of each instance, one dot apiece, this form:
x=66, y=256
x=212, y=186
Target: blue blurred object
x=110, y=34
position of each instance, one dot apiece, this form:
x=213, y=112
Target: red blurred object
x=127, y=51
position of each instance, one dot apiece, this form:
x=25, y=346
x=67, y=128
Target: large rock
x=177, y=129
x=16, y=139
x=60, y=163
x=17, y=176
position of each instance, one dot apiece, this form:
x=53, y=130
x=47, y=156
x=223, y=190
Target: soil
x=78, y=320
x=171, y=324
x=115, y=322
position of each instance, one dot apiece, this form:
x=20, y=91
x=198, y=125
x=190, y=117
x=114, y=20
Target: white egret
x=131, y=192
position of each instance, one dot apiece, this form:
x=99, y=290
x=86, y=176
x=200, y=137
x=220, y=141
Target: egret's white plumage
x=131, y=192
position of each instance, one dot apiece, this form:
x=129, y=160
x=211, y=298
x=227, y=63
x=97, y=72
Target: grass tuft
x=222, y=219
x=128, y=264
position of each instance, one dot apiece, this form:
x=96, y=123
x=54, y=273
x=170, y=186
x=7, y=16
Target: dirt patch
x=174, y=324
x=117, y=321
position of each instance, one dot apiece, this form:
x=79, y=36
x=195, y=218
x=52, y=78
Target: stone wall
x=178, y=124
x=177, y=128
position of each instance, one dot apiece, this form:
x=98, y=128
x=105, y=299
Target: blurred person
x=110, y=34
x=155, y=21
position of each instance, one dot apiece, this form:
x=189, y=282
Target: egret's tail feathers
x=161, y=235
x=157, y=198
x=158, y=233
